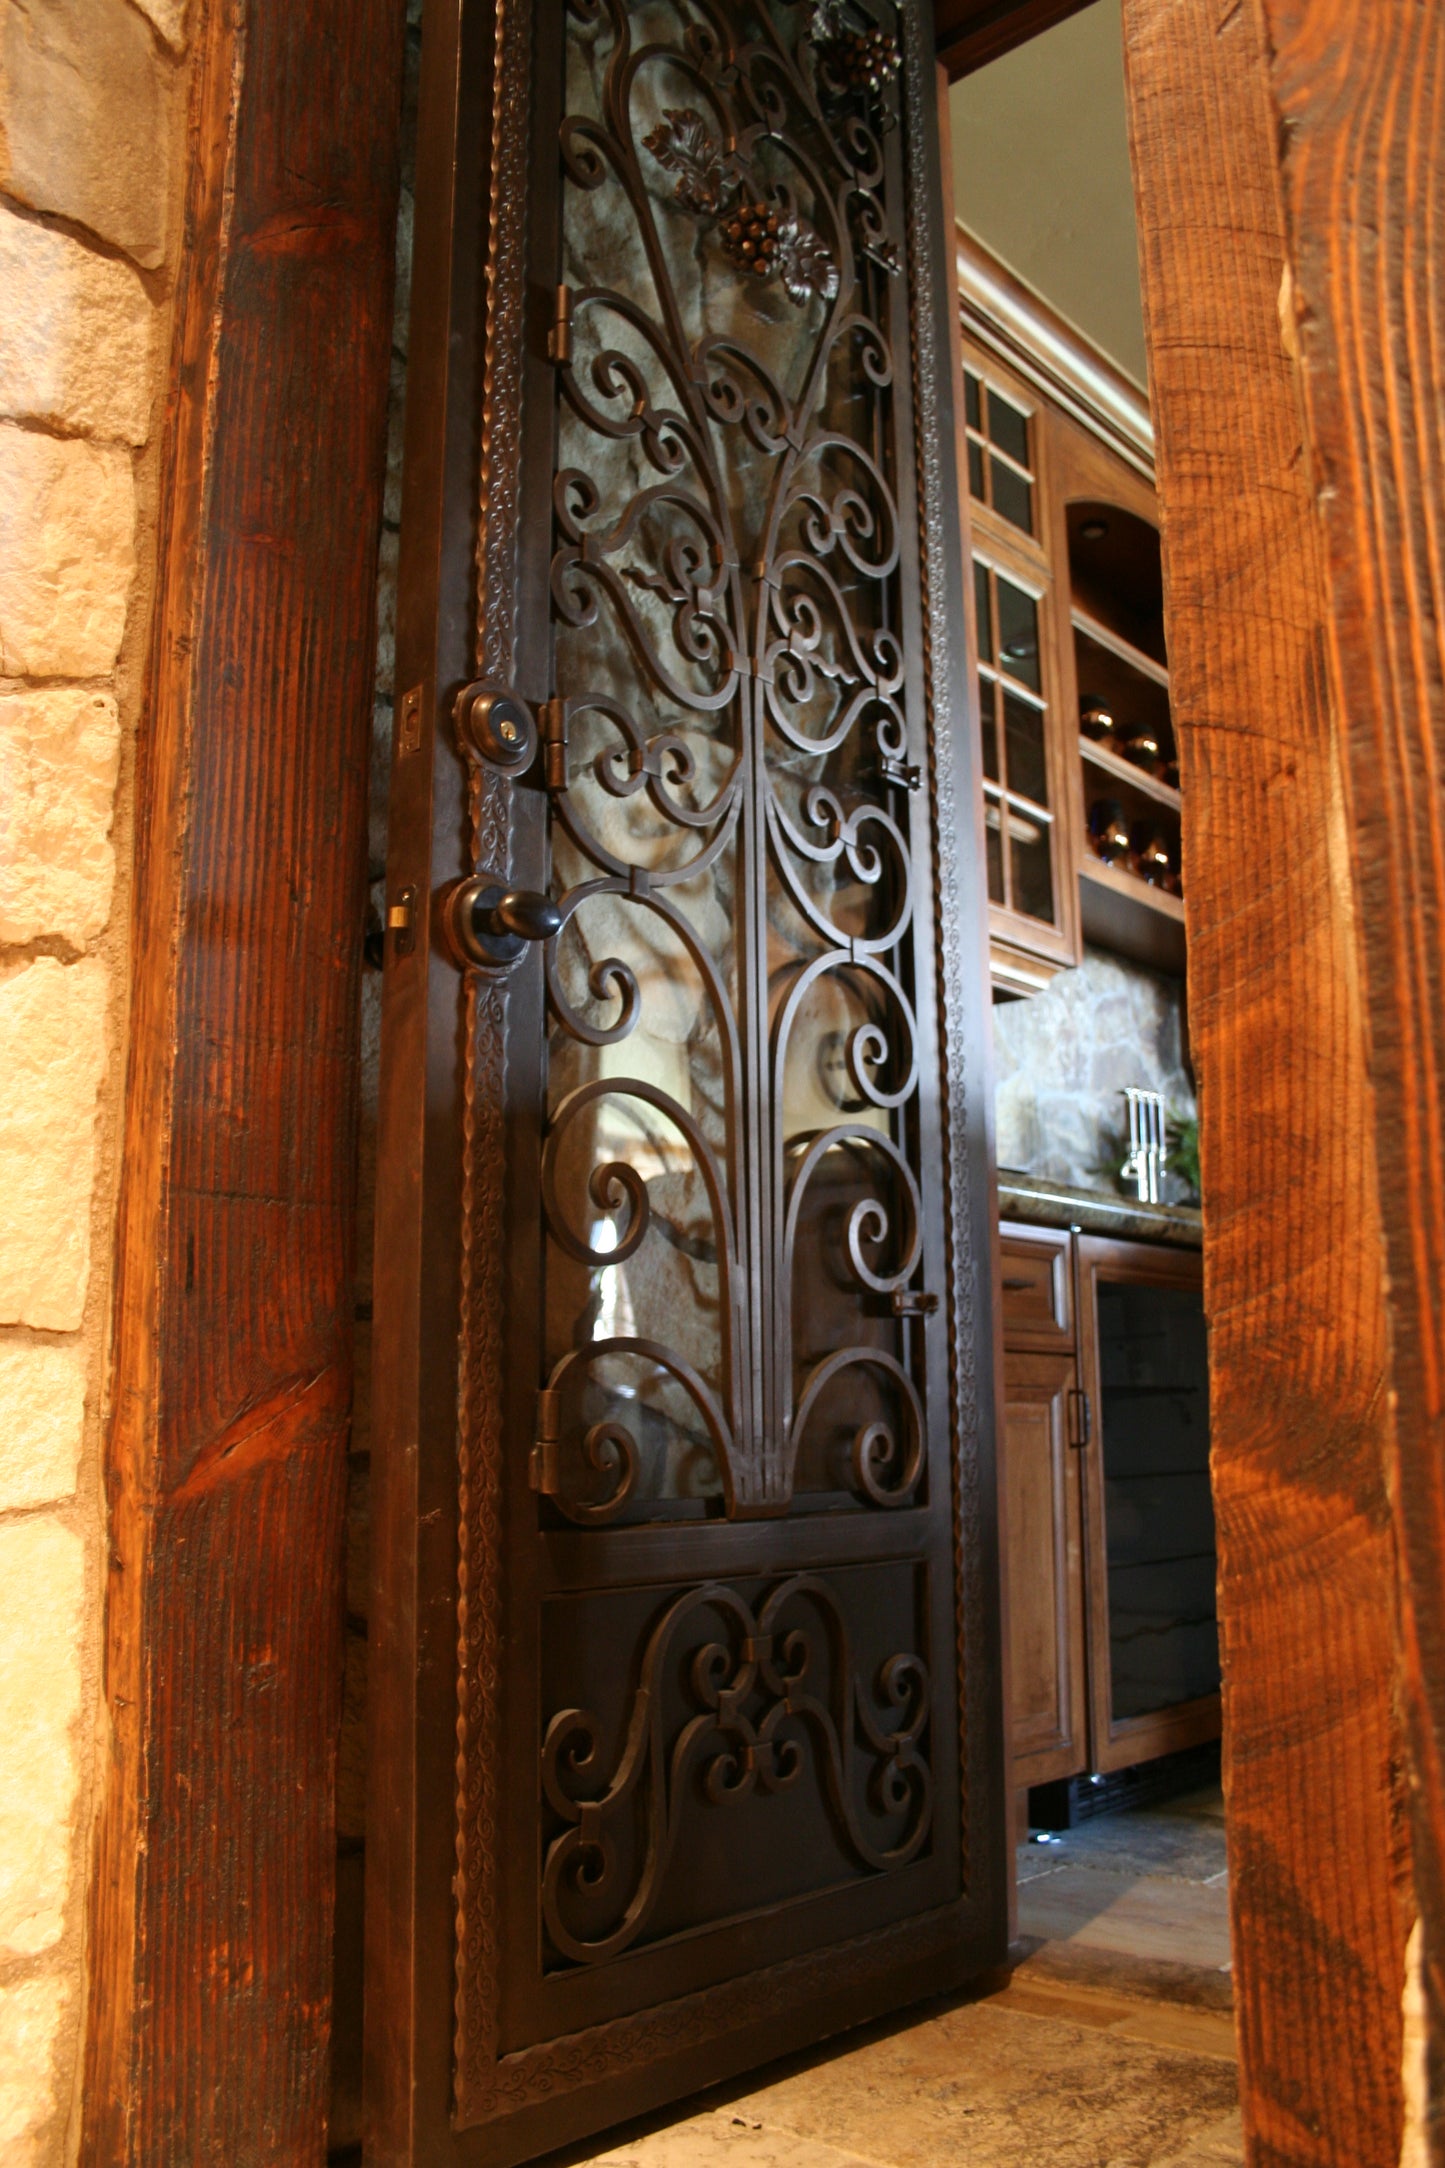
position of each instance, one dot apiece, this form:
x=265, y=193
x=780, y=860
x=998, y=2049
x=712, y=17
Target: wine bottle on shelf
x=1109, y=831
x=1151, y=854
x=1096, y=718
x=1141, y=750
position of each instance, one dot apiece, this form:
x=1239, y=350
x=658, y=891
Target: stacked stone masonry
x=92, y=93
x=1063, y=1059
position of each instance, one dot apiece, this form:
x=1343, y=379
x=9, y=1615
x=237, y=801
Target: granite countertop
x=1055, y=1204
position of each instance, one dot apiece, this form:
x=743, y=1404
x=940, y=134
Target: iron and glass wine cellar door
x=686, y=1731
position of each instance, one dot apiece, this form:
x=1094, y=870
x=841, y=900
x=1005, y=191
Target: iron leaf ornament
x=682, y=144
x=764, y=237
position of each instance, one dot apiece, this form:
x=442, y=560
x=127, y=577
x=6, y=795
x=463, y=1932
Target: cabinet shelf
x=1124, y=771
x=1094, y=628
x=1123, y=913
x=1130, y=885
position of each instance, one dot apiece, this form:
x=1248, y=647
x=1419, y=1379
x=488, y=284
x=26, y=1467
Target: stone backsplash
x=1063, y=1058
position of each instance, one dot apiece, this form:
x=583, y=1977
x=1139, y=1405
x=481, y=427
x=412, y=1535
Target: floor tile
x=1110, y=2046
x=1222, y=2146
x=1144, y=1916
x=1156, y=1840
x=1167, y=2025
x=990, y=2088
x=728, y=2138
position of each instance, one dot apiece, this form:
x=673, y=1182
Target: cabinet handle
x=1081, y=1418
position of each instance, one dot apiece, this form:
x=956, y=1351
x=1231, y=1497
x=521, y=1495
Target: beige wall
x=1041, y=175
x=91, y=100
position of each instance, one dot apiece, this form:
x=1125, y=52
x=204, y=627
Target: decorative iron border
x=501, y=463
x=479, y=1430
x=950, y=822
x=487, y=2084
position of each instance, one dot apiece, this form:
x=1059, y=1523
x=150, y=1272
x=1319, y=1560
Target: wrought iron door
x=686, y=1727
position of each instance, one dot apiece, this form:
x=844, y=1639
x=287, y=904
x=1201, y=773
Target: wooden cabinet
x=1082, y=824
x=1044, y=1510
x=1113, y=1652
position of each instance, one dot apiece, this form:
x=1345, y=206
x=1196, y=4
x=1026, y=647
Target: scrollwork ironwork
x=751, y=1714
x=712, y=399
x=732, y=727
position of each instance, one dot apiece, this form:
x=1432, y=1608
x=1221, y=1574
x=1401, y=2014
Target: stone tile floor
x=1111, y=2045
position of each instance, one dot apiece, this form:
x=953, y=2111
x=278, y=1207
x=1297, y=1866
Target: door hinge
x=559, y=338
x=1081, y=1418
x=905, y=773
x=893, y=766
x=543, y=1465
x=554, y=743
x=913, y=1302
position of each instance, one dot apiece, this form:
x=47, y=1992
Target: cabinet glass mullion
x=1001, y=470
x=1018, y=815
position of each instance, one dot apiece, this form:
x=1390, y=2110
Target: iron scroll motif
x=753, y=1715
x=654, y=752
x=727, y=757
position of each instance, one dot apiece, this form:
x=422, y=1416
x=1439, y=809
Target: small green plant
x=1183, y=1135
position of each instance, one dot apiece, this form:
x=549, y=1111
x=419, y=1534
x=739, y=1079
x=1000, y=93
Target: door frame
x=209, y=1945
x=1207, y=123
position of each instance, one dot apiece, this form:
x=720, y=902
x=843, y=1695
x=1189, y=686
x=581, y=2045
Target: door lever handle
x=522, y=912
x=489, y=926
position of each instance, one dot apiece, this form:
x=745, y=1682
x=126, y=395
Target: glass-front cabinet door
x=1026, y=740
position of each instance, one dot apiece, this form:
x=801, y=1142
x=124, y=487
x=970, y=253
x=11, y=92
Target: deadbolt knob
x=492, y=721
x=522, y=912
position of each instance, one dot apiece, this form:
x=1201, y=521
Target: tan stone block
x=169, y=17
x=85, y=118
x=32, y=2014
x=67, y=554
x=52, y=1060
x=59, y=756
x=42, y=1598
x=42, y=1421
x=75, y=335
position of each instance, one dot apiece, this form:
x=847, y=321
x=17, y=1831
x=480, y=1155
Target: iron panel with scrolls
x=692, y=1238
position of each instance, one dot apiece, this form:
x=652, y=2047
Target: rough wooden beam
x=211, y=1930
x=1359, y=89
x=1294, y=1287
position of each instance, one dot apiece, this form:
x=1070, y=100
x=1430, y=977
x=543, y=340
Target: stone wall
x=92, y=97
x=1063, y=1057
